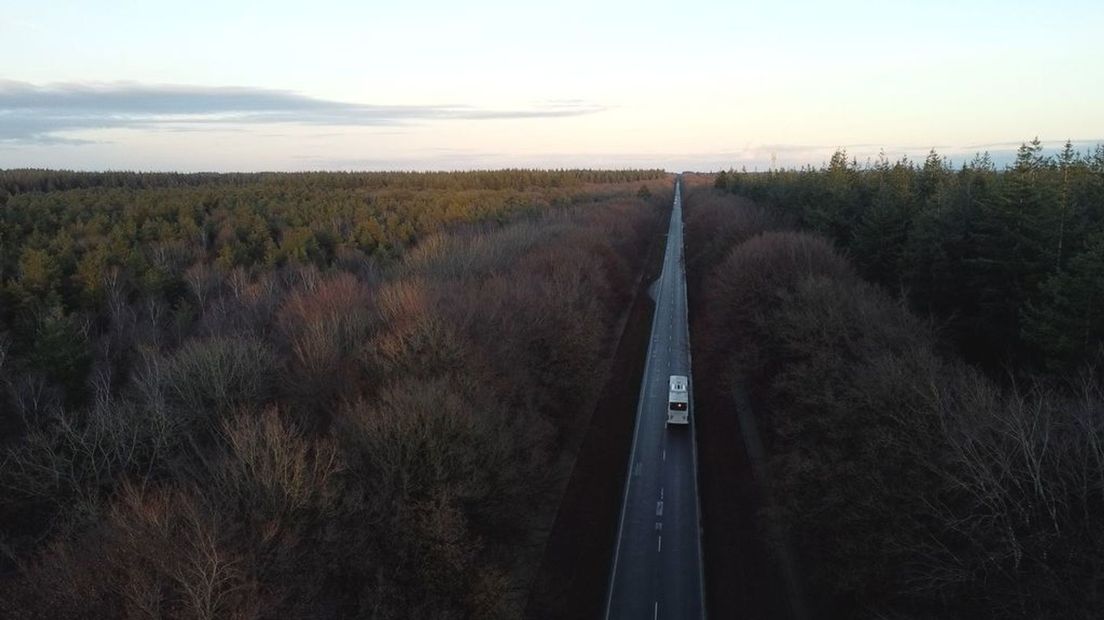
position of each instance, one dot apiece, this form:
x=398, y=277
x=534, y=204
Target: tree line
x=219, y=425
x=1010, y=261
x=18, y=181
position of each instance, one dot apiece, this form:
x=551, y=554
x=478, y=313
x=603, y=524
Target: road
x=657, y=568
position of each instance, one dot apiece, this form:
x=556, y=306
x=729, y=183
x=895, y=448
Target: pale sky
x=696, y=84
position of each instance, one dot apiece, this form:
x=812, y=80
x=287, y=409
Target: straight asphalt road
x=657, y=565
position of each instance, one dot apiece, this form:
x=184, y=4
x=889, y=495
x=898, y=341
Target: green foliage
x=1068, y=318
x=60, y=348
x=316, y=395
x=38, y=272
x=721, y=182
x=909, y=484
x=100, y=246
x=982, y=250
x=14, y=182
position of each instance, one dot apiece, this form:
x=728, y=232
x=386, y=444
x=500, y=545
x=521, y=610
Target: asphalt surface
x=657, y=568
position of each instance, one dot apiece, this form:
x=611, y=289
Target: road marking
x=659, y=544
x=670, y=285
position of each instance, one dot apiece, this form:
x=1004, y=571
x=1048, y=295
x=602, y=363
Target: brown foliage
x=718, y=222
x=218, y=375
x=274, y=471
x=321, y=443
x=156, y=554
x=172, y=558
x=325, y=323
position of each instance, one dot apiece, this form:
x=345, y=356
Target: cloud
x=1047, y=144
x=38, y=114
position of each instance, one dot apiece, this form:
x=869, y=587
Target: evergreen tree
x=1068, y=322
x=721, y=182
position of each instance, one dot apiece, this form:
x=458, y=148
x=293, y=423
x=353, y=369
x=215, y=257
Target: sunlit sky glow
x=448, y=85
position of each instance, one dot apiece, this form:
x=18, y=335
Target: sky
x=694, y=85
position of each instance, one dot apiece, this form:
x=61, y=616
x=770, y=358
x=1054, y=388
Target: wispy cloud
x=1052, y=144
x=31, y=113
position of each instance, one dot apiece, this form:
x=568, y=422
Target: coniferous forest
x=299, y=395
x=911, y=358
x=1010, y=261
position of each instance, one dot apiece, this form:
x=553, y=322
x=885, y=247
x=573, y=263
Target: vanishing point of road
x=657, y=565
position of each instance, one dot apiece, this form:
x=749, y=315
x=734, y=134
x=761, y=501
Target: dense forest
x=1010, y=262
x=362, y=394
x=832, y=311
x=299, y=395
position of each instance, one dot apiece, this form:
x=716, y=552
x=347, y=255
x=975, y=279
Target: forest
x=1010, y=262
x=300, y=395
x=908, y=358
x=363, y=394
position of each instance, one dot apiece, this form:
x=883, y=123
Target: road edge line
x=636, y=432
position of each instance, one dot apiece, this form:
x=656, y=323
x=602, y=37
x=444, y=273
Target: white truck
x=678, y=401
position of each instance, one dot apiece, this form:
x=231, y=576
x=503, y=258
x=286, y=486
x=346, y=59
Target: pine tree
x=1068, y=161
x=1068, y=321
x=721, y=182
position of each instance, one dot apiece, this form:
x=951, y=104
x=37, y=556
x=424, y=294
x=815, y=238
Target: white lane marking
x=659, y=526
x=640, y=409
x=655, y=613
x=664, y=455
x=659, y=544
x=660, y=492
x=659, y=509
